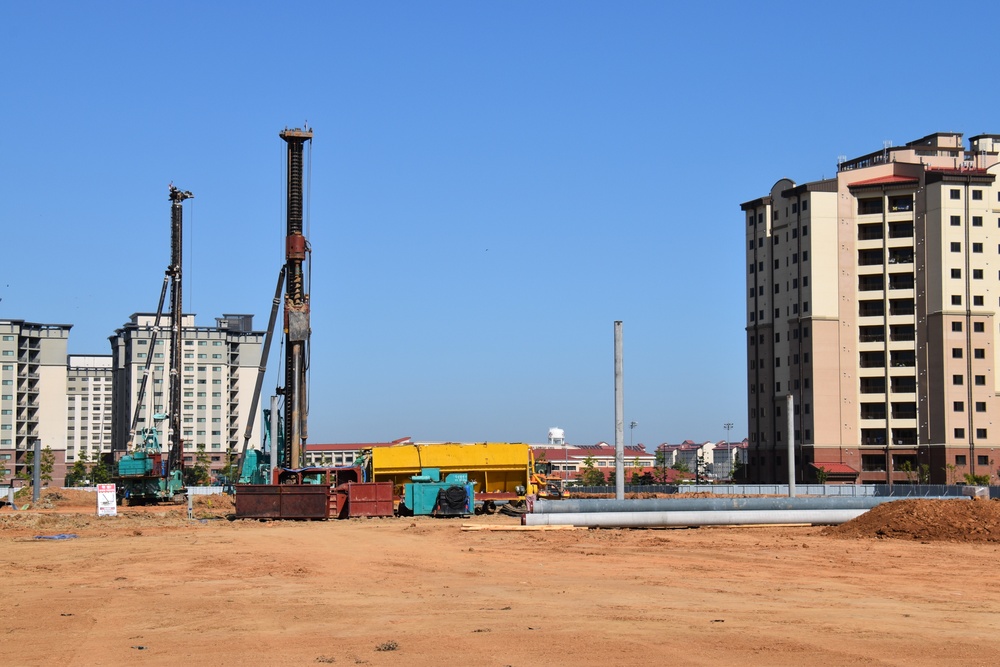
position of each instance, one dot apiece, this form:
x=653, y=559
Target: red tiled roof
x=885, y=180
x=835, y=468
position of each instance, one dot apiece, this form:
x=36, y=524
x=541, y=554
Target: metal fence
x=191, y=490
x=850, y=490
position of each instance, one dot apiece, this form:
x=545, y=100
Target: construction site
x=429, y=554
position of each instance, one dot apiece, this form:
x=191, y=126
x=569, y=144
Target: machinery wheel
x=489, y=507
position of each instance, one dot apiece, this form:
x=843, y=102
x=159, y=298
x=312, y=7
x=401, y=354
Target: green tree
x=199, y=474
x=229, y=471
x=78, y=474
x=660, y=463
x=100, y=472
x=739, y=469
x=822, y=475
x=977, y=480
x=949, y=471
x=907, y=468
x=591, y=476
x=48, y=465
x=924, y=473
x=636, y=467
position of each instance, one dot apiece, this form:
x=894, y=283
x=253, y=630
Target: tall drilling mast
x=297, y=328
x=175, y=456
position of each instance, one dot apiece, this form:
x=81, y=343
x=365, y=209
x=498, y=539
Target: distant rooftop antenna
x=886, y=145
x=841, y=159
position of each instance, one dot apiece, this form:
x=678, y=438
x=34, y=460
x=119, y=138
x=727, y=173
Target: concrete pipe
x=709, y=518
x=572, y=506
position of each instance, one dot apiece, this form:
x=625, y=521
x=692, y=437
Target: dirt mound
x=927, y=520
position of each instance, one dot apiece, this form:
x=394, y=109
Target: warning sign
x=106, y=504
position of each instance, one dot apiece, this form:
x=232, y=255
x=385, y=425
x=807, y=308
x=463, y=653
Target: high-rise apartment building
x=872, y=300
x=32, y=393
x=218, y=376
x=89, y=408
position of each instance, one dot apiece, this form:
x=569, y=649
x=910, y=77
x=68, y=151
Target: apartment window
x=977, y=195
x=777, y=289
x=777, y=263
x=760, y=266
x=760, y=315
x=977, y=221
x=981, y=433
x=956, y=326
x=956, y=220
x=960, y=458
x=960, y=433
x=805, y=281
x=983, y=459
x=978, y=327
x=777, y=362
x=977, y=300
x=955, y=193
x=805, y=255
x=980, y=380
x=956, y=353
x=958, y=406
x=777, y=387
x=977, y=274
x=956, y=273
x=777, y=313
x=956, y=300
x=979, y=353
x=956, y=246
x=977, y=247
x=980, y=406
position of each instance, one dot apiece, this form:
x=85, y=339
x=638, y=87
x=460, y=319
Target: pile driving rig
x=287, y=435
x=142, y=476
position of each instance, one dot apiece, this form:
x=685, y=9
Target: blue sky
x=493, y=184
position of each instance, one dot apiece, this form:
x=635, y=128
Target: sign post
x=106, y=501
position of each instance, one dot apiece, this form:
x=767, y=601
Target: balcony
x=901, y=203
x=904, y=410
x=872, y=359
x=900, y=281
x=873, y=411
x=901, y=307
x=871, y=308
x=870, y=232
x=871, y=257
x=902, y=333
x=901, y=255
x=900, y=230
x=904, y=384
x=873, y=385
x=871, y=334
x=871, y=283
x=902, y=359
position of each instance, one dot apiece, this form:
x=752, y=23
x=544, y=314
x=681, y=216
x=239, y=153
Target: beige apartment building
x=218, y=376
x=872, y=300
x=32, y=393
x=89, y=408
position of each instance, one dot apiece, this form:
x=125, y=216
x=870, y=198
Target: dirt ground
x=901, y=585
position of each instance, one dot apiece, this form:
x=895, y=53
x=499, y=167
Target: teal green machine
x=256, y=462
x=142, y=476
x=427, y=495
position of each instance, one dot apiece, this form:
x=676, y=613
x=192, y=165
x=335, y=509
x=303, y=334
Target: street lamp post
x=729, y=450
